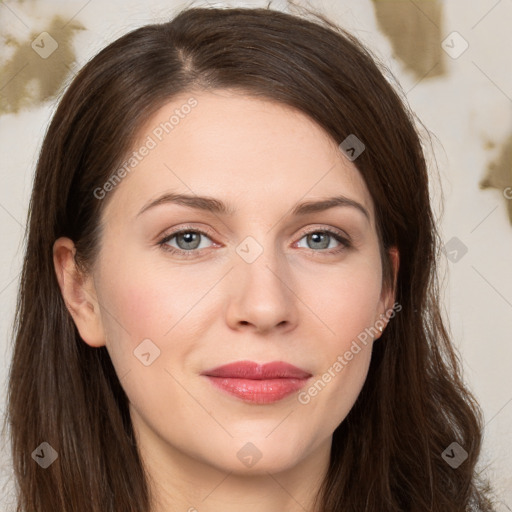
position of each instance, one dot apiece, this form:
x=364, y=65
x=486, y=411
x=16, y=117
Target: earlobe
x=78, y=293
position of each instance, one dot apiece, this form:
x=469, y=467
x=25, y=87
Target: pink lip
x=256, y=383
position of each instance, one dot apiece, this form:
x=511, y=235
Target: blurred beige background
x=453, y=62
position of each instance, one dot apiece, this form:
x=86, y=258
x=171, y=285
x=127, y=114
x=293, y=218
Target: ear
x=78, y=293
x=387, y=299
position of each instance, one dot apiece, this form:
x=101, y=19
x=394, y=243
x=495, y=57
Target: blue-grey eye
x=322, y=240
x=189, y=240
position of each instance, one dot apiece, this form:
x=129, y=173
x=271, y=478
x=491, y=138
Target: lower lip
x=258, y=391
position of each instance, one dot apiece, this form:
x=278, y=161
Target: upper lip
x=256, y=371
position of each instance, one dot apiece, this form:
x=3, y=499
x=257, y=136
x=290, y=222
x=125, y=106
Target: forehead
x=256, y=155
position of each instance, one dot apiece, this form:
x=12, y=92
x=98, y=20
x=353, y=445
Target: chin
x=257, y=455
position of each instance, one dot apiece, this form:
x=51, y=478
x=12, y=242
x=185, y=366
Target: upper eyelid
x=186, y=229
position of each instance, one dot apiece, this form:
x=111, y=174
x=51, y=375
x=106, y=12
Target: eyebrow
x=216, y=206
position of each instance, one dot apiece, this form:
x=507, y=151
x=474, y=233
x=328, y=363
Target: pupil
x=316, y=238
x=188, y=238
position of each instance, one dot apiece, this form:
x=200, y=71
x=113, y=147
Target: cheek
x=142, y=301
x=346, y=298
x=147, y=299
x=347, y=302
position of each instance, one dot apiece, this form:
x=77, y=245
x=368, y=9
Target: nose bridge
x=263, y=294
x=260, y=262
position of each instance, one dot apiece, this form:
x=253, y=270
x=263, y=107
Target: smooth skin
x=298, y=301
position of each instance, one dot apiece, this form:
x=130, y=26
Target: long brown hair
x=387, y=453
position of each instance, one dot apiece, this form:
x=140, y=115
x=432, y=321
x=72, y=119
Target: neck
x=178, y=481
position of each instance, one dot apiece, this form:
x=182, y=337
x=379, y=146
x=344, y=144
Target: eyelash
x=346, y=244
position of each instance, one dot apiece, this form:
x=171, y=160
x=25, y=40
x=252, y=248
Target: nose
x=261, y=295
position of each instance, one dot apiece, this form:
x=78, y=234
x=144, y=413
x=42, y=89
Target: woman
x=182, y=340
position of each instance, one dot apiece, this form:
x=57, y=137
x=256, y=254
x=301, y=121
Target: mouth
x=256, y=383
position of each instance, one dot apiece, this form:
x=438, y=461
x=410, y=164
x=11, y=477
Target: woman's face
x=251, y=281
